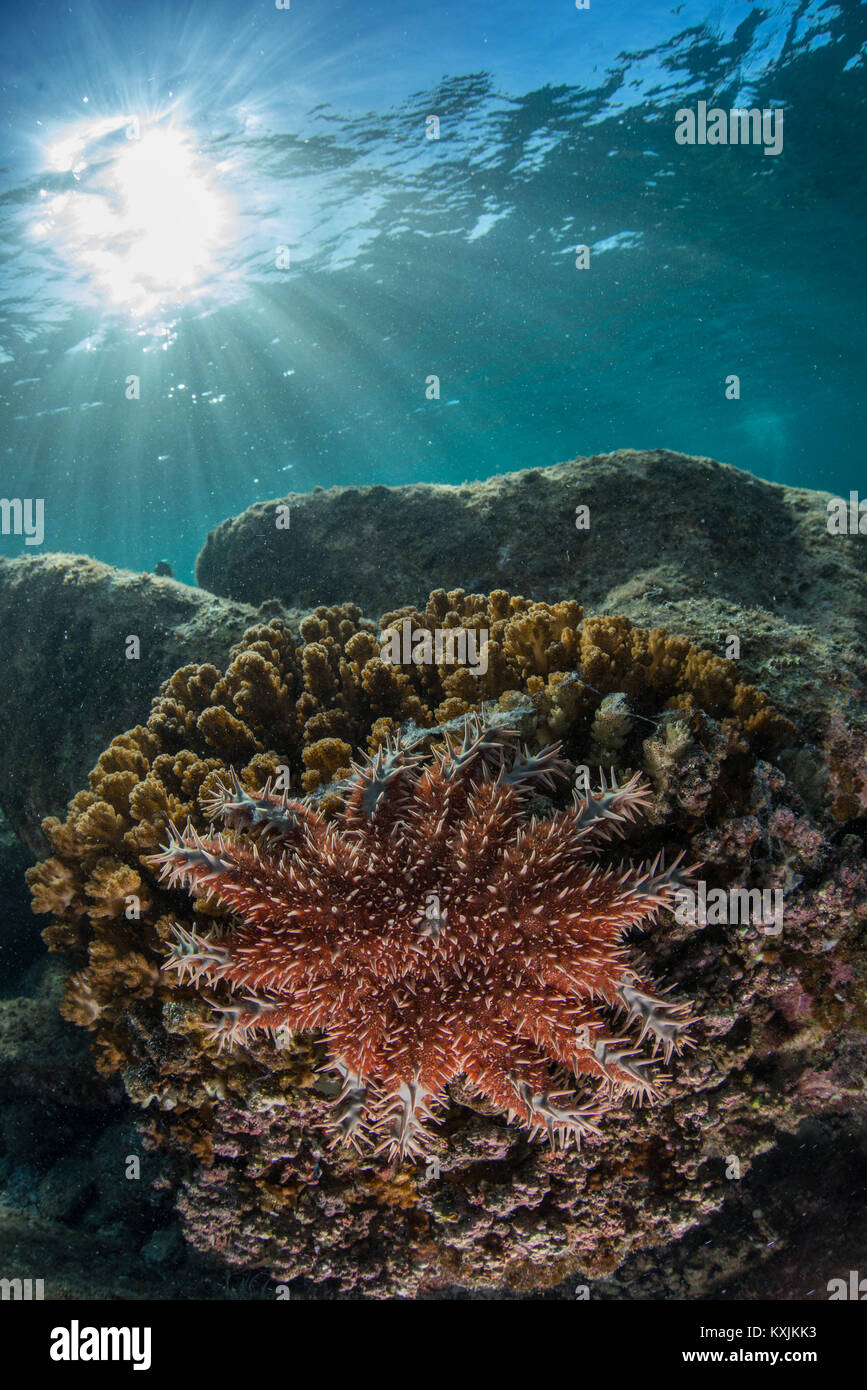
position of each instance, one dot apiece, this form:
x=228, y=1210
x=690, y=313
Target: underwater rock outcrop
x=69, y=678
x=782, y=1020
x=669, y=525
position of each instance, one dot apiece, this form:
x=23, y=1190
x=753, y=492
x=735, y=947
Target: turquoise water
x=156, y=157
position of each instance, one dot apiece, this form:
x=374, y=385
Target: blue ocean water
x=239, y=240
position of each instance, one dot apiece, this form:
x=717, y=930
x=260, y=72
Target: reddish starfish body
x=433, y=931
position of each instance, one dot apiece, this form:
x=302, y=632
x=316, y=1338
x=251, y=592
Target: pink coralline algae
x=845, y=751
x=437, y=929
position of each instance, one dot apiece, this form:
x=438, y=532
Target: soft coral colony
x=433, y=931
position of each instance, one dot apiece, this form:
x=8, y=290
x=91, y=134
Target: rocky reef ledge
x=66, y=682
x=659, y=524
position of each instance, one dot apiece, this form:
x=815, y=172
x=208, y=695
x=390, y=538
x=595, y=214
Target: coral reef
x=672, y=541
x=780, y=1016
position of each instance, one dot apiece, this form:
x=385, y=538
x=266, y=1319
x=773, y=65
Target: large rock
x=660, y=523
x=66, y=683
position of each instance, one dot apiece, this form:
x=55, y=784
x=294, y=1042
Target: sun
x=146, y=218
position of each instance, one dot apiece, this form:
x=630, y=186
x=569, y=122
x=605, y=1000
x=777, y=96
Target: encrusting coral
x=846, y=759
x=294, y=714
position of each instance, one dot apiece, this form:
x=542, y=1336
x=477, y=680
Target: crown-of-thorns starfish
x=436, y=929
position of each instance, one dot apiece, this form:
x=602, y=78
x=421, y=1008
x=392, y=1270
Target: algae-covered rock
x=667, y=525
x=70, y=676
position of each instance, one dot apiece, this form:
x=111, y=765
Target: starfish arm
x=400, y=1121
x=276, y=814
x=665, y=1020
x=517, y=1078
x=608, y=811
